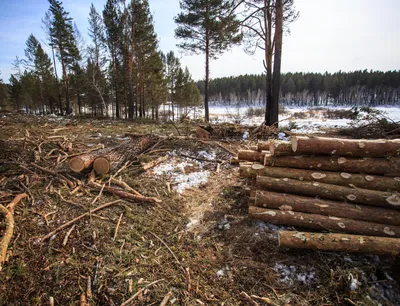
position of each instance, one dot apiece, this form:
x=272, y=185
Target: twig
x=125, y=186
x=49, y=235
x=166, y=299
x=246, y=297
x=89, y=288
x=117, y=227
x=51, y=301
x=94, y=201
x=14, y=202
x=124, y=194
x=67, y=235
x=82, y=300
x=56, y=174
x=133, y=297
x=154, y=163
x=173, y=254
x=188, y=287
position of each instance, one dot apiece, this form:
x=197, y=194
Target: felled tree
x=210, y=27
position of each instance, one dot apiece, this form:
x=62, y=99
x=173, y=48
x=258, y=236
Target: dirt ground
x=197, y=244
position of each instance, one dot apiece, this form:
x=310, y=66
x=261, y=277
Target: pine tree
x=113, y=33
x=62, y=39
x=210, y=27
x=97, y=56
x=172, y=66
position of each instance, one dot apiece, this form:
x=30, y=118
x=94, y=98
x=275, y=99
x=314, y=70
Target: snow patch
x=291, y=275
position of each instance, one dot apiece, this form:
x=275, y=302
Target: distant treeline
x=368, y=88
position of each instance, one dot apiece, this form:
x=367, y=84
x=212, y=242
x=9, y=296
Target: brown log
x=202, y=133
x=345, y=147
x=81, y=162
x=280, y=148
x=261, y=146
x=339, y=242
x=382, y=166
x=373, y=182
x=108, y=161
x=249, y=155
x=329, y=191
x=287, y=202
x=320, y=222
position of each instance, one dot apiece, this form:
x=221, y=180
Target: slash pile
x=348, y=187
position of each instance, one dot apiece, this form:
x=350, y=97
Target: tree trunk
x=329, y=191
x=280, y=148
x=206, y=81
x=319, y=222
x=287, y=202
x=58, y=85
x=388, y=167
x=345, y=147
x=373, y=182
x=276, y=81
x=339, y=242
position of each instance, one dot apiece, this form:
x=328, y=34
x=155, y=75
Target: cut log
x=320, y=222
x=329, y=191
x=81, y=162
x=109, y=161
x=249, y=155
x=262, y=146
x=339, y=242
x=288, y=202
x=382, y=166
x=345, y=147
x=373, y=182
x=280, y=148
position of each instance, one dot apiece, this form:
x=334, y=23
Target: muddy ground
x=197, y=243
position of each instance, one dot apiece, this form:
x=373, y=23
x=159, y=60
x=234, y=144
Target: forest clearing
x=170, y=223
x=199, y=152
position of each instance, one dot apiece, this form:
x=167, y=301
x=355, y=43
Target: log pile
x=346, y=190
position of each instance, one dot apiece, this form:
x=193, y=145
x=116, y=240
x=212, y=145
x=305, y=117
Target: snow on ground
x=183, y=172
x=292, y=275
x=311, y=124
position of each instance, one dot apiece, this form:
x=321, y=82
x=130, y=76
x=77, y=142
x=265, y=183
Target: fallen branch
x=67, y=235
x=247, y=298
x=56, y=174
x=133, y=297
x=49, y=235
x=166, y=299
x=8, y=215
x=124, y=194
x=125, y=186
x=154, y=163
x=173, y=254
x=117, y=227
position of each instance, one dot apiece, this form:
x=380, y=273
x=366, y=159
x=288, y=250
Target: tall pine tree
x=209, y=27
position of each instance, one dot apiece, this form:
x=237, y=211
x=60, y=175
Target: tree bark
x=346, y=147
x=373, y=182
x=319, y=222
x=249, y=155
x=263, y=146
x=383, y=166
x=206, y=81
x=280, y=148
x=276, y=81
x=339, y=242
x=287, y=202
x=329, y=191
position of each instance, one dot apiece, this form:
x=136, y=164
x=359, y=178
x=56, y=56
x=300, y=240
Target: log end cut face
x=76, y=164
x=101, y=165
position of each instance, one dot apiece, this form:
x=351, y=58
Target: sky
x=330, y=35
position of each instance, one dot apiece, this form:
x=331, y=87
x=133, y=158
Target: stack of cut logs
x=348, y=187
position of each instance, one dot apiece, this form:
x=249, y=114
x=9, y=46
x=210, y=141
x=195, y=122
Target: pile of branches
x=371, y=123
